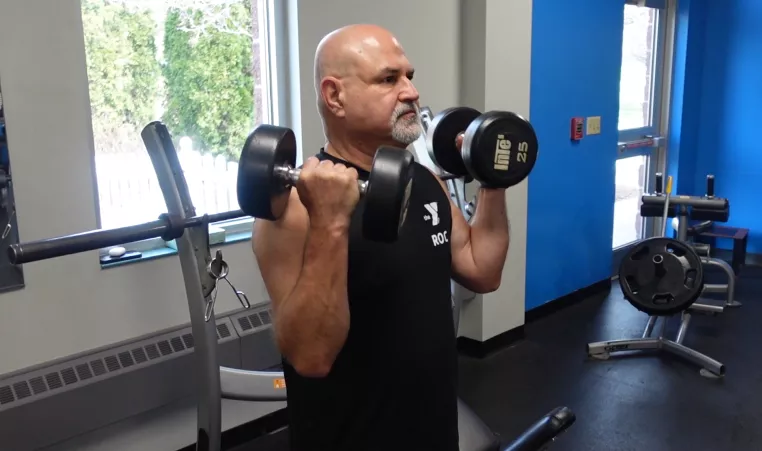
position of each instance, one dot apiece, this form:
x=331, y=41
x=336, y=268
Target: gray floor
x=644, y=402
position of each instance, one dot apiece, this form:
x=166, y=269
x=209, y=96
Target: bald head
x=363, y=82
x=342, y=52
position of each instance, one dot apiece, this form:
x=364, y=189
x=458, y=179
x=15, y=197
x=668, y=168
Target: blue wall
x=686, y=96
x=729, y=110
x=571, y=189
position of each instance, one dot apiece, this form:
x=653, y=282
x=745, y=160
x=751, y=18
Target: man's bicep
x=279, y=249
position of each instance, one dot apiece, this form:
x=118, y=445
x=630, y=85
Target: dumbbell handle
x=290, y=176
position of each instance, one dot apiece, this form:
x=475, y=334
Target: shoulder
x=427, y=173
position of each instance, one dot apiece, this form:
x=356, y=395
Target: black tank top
x=393, y=386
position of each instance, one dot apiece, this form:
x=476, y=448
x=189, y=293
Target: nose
x=408, y=92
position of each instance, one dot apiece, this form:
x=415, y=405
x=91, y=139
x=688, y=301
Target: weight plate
x=388, y=194
x=261, y=193
x=441, y=138
x=500, y=149
x=661, y=276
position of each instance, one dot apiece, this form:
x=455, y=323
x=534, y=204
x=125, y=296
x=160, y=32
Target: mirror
x=11, y=276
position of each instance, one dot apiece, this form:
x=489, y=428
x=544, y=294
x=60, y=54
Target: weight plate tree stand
x=266, y=174
x=661, y=276
x=442, y=135
x=500, y=149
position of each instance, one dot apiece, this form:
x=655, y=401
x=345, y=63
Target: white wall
x=70, y=304
x=496, y=55
x=427, y=29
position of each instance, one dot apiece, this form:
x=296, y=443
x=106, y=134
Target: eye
x=390, y=79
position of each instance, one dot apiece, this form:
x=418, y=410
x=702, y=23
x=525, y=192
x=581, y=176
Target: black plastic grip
x=710, y=185
x=543, y=431
x=659, y=183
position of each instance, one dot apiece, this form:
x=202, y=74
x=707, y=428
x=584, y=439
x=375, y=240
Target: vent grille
x=68, y=376
x=22, y=390
x=125, y=358
x=112, y=363
x=48, y=381
x=165, y=348
x=177, y=344
x=252, y=321
x=98, y=367
x=223, y=331
x=53, y=380
x=140, y=355
x=83, y=371
x=6, y=395
x=153, y=351
x=38, y=385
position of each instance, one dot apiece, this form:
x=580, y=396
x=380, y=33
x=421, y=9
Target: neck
x=355, y=151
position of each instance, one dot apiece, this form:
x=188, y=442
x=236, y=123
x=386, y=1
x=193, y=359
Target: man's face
x=381, y=99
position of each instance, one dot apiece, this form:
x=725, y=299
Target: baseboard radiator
x=54, y=401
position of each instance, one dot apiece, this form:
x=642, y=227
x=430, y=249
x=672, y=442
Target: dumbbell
x=499, y=148
x=267, y=172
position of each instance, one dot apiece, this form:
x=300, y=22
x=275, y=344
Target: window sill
x=166, y=251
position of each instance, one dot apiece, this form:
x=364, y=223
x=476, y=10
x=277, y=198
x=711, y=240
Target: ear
x=333, y=94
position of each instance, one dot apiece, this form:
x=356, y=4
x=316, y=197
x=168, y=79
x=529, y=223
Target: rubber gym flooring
x=645, y=402
x=649, y=401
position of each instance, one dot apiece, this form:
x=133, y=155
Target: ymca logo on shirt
x=433, y=215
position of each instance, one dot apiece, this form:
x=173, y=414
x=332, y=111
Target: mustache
x=404, y=109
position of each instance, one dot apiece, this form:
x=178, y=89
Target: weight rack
x=683, y=208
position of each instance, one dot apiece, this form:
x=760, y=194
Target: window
x=636, y=99
x=202, y=67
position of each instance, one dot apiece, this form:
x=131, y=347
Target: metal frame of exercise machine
x=710, y=367
x=201, y=273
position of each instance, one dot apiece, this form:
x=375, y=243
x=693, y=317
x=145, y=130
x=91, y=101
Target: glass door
x=643, y=97
x=643, y=107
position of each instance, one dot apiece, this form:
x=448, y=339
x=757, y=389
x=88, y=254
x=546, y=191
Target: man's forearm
x=489, y=233
x=313, y=321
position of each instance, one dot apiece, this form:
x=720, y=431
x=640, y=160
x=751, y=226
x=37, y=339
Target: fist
x=459, y=141
x=329, y=192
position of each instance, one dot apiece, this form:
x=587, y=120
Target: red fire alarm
x=577, y=128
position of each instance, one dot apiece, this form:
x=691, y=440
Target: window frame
x=276, y=98
x=664, y=40
x=657, y=88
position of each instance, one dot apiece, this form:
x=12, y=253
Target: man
x=366, y=328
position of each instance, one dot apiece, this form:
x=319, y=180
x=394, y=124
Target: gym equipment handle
x=659, y=182
x=291, y=176
x=716, y=203
x=96, y=239
x=710, y=186
x=665, y=215
x=543, y=431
